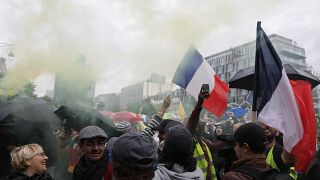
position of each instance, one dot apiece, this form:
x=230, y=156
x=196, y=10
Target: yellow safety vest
x=202, y=163
x=271, y=162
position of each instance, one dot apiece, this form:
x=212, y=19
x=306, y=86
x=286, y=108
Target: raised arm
x=157, y=118
x=194, y=117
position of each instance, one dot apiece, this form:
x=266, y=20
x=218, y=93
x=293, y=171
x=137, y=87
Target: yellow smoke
x=122, y=41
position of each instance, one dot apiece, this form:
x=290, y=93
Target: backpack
x=258, y=174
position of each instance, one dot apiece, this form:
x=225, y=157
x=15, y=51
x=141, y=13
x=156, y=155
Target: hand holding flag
x=192, y=72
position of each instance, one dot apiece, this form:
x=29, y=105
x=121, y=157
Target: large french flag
x=277, y=104
x=192, y=72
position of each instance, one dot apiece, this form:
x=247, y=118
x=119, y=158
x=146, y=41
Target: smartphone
x=205, y=88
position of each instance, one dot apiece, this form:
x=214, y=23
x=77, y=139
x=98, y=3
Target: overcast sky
x=124, y=41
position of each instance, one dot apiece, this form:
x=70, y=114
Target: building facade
x=141, y=90
x=3, y=66
x=110, y=101
x=315, y=92
x=178, y=95
x=227, y=63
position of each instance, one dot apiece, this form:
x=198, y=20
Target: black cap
x=162, y=125
x=111, y=142
x=171, y=124
x=135, y=150
x=250, y=133
x=178, y=141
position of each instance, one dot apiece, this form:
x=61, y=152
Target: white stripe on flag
x=203, y=75
x=282, y=113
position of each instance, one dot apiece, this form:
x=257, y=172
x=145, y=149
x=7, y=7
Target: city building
x=108, y=102
x=4, y=56
x=227, y=63
x=315, y=91
x=177, y=96
x=145, y=89
x=3, y=66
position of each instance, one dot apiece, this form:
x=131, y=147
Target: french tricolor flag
x=192, y=72
x=284, y=105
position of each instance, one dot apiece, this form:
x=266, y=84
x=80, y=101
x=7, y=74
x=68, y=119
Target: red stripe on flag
x=217, y=102
x=305, y=149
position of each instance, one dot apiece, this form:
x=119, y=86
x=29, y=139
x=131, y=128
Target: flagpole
x=254, y=116
x=256, y=74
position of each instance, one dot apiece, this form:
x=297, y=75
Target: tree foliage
x=47, y=98
x=29, y=89
x=148, y=108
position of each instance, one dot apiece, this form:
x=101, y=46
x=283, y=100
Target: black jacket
x=21, y=176
x=95, y=171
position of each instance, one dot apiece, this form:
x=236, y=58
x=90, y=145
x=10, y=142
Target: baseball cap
x=162, y=125
x=178, y=141
x=250, y=133
x=171, y=124
x=166, y=124
x=92, y=132
x=110, y=143
x=135, y=150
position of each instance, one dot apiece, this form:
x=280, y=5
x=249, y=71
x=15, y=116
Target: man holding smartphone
x=201, y=151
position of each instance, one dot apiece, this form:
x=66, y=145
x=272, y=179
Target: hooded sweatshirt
x=177, y=173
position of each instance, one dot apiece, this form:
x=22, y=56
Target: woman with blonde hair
x=29, y=163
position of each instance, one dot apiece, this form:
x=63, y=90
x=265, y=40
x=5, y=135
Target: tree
x=114, y=108
x=134, y=107
x=148, y=108
x=47, y=98
x=29, y=89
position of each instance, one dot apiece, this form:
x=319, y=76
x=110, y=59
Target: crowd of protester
x=164, y=149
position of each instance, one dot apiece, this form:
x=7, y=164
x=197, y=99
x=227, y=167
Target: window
x=230, y=67
x=241, y=65
x=220, y=70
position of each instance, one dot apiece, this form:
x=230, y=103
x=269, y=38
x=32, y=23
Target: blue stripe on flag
x=268, y=70
x=187, y=68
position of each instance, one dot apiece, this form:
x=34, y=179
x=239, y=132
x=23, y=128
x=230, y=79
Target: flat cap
x=92, y=132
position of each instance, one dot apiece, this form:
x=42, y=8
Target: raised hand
x=165, y=105
x=166, y=102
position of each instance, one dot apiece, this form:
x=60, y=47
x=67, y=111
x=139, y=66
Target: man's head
x=270, y=132
x=134, y=157
x=179, y=141
x=178, y=148
x=249, y=139
x=164, y=127
x=93, y=142
x=124, y=127
x=161, y=128
x=236, y=126
x=219, y=130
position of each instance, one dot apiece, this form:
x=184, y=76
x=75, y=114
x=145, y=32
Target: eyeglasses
x=40, y=154
x=99, y=144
